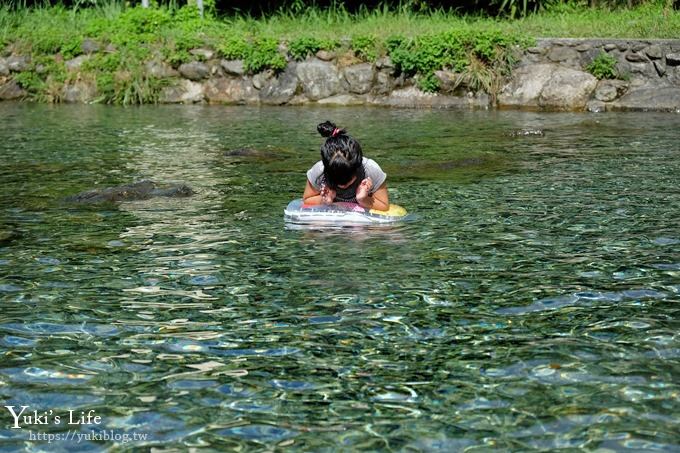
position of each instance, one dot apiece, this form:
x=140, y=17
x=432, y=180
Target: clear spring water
x=533, y=305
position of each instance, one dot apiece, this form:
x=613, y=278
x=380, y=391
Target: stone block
x=562, y=54
x=281, y=89
x=194, y=70
x=11, y=91
x=205, y=54
x=654, y=52
x=648, y=98
x=325, y=55
x=75, y=63
x=634, y=57
x=184, y=92
x=610, y=90
x=526, y=85
x=262, y=78
x=319, y=79
x=18, y=63
x=360, y=77
x=79, y=92
x=233, y=67
x=660, y=66
x=160, y=70
x=89, y=46
x=567, y=89
x=231, y=91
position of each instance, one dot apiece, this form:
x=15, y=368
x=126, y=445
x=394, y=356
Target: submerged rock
x=7, y=234
x=527, y=133
x=141, y=190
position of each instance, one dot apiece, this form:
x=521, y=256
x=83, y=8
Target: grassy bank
x=418, y=44
x=649, y=20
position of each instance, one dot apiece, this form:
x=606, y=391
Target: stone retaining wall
x=552, y=76
x=549, y=76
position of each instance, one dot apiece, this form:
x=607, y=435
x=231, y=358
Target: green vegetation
x=301, y=48
x=478, y=48
x=603, y=67
x=481, y=58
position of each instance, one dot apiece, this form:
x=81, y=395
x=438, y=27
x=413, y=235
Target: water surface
x=531, y=306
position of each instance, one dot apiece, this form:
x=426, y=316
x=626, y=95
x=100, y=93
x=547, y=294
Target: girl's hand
x=364, y=189
x=327, y=195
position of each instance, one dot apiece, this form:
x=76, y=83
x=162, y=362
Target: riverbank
x=137, y=56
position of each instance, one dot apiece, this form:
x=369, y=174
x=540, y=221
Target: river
x=533, y=304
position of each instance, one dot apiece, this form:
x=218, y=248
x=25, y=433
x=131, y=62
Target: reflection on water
x=531, y=306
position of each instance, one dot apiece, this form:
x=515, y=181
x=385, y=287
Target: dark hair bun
x=327, y=129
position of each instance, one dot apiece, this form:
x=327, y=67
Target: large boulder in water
x=548, y=86
x=141, y=190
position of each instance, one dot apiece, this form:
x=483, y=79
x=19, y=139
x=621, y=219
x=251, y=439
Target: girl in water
x=344, y=174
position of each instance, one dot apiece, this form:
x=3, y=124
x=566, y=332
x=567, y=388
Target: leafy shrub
x=52, y=70
x=364, y=47
x=603, y=67
x=234, y=48
x=259, y=54
x=301, y=48
x=264, y=54
x=394, y=42
x=477, y=56
x=72, y=47
x=429, y=83
x=128, y=86
x=176, y=48
x=30, y=81
x=103, y=62
x=134, y=26
x=140, y=21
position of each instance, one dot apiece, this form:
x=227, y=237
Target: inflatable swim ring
x=341, y=214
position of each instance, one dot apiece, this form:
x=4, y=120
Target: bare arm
x=380, y=199
x=312, y=196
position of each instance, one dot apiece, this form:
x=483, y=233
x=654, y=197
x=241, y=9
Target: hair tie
x=336, y=131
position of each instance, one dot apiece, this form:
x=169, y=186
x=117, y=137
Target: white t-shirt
x=371, y=169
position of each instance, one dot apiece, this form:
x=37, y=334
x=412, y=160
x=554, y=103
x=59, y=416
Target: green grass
x=47, y=26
